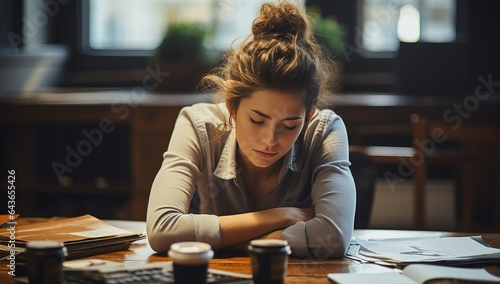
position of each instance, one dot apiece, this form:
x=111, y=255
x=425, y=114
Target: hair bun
x=279, y=21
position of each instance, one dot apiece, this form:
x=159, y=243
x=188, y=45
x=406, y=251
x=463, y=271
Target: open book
x=417, y=274
x=82, y=236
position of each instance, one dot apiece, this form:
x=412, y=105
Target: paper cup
x=190, y=261
x=269, y=260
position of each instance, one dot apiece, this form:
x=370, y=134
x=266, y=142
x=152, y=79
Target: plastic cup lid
x=269, y=246
x=190, y=253
x=268, y=243
x=44, y=245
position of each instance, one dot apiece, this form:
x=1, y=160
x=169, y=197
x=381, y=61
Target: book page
x=416, y=274
x=424, y=272
x=363, y=278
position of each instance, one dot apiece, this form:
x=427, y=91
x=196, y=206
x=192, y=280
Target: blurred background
x=89, y=91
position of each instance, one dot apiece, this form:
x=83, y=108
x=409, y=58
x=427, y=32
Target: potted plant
x=183, y=55
x=328, y=32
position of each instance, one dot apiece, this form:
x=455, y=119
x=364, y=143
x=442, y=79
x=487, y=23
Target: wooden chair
x=363, y=170
x=475, y=149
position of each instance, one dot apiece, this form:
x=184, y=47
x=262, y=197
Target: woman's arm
x=239, y=228
x=243, y=247
x=333, y=196
x=168, y=219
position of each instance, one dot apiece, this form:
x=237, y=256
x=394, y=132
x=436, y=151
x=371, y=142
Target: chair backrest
x=477, y=140
x=364, y=173
x=472, y=150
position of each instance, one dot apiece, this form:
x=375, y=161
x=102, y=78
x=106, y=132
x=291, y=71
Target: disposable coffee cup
x=190, y=261
x=269, y=260
x=44, y=260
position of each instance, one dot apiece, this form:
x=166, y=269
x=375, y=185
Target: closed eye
x=283, y=126
x=256, y=122
x=289, y=127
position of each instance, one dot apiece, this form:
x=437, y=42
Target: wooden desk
x=299, y=270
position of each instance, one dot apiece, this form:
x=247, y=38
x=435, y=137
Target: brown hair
x=280, y=54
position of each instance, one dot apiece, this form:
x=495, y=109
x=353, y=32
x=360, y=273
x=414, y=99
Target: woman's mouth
x=265, y=155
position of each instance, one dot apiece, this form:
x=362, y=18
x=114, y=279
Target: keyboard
x=156, y=272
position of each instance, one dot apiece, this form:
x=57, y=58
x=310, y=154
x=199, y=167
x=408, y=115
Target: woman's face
x=267, y=124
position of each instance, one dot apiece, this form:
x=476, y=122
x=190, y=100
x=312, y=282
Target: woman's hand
x=294, y=214
x=236, y=229
x=243, y=247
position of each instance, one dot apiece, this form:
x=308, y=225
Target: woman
x=265, y=163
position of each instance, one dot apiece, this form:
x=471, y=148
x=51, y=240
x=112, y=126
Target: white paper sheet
x=426, y=249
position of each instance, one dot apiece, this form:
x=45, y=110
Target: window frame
x=365, y=71
x=85, y=38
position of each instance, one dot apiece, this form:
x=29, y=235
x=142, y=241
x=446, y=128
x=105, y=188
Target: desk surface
x=299, y=270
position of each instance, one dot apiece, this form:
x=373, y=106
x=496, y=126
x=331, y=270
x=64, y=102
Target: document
x=82, y=236
x=404, y=251
x=417, y=274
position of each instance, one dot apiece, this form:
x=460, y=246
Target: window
x=142, y=24
x=384, y=23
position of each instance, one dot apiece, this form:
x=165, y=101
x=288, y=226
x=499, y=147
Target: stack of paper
x=82, y=236
x=404, y=251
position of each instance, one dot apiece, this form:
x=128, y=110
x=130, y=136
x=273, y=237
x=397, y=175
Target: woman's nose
x=270, y=136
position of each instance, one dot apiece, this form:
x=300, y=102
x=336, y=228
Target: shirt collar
x=293, y=159
x=226, y=167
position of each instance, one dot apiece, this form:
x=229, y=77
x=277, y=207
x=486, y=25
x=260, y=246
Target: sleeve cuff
x=207, y=229
x=297, y=239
